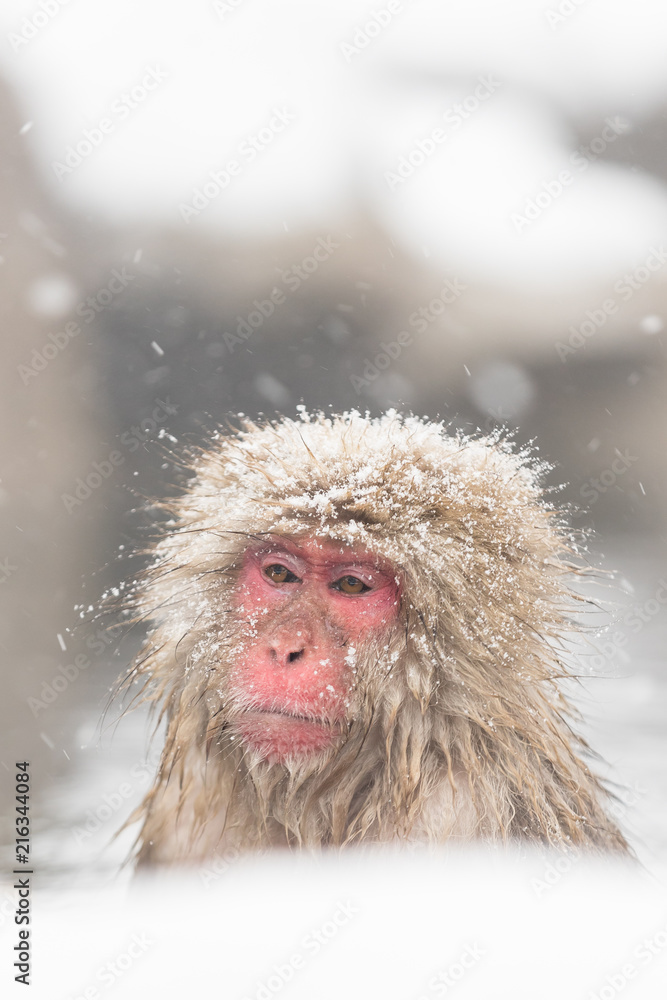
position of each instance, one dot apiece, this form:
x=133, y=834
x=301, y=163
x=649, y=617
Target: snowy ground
x=389, y=926
x=385, y=926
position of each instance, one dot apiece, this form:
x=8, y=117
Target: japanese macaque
x=357, y=632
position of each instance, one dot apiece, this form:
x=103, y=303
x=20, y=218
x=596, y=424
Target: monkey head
x=356, y=633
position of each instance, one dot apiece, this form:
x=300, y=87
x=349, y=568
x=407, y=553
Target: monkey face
x=306, y=606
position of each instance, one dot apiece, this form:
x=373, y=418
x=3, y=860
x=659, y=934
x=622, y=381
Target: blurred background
x=455, y=209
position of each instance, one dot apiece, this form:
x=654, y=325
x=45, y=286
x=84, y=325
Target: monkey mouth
x=279, y=735
x=286, y=713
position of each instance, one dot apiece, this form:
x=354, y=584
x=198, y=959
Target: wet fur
x=458, y=727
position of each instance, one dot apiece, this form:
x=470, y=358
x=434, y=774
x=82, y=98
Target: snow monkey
x=356, y=636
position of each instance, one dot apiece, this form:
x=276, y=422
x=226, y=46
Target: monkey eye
x=350, y=585
x=280, y=574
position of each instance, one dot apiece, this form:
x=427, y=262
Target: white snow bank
x=373, y=925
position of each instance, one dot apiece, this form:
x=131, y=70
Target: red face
x=309, y=605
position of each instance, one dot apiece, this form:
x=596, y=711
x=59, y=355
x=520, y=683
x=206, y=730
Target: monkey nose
x=284, y=654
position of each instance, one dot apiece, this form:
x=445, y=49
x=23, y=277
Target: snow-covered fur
x=457, y=727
